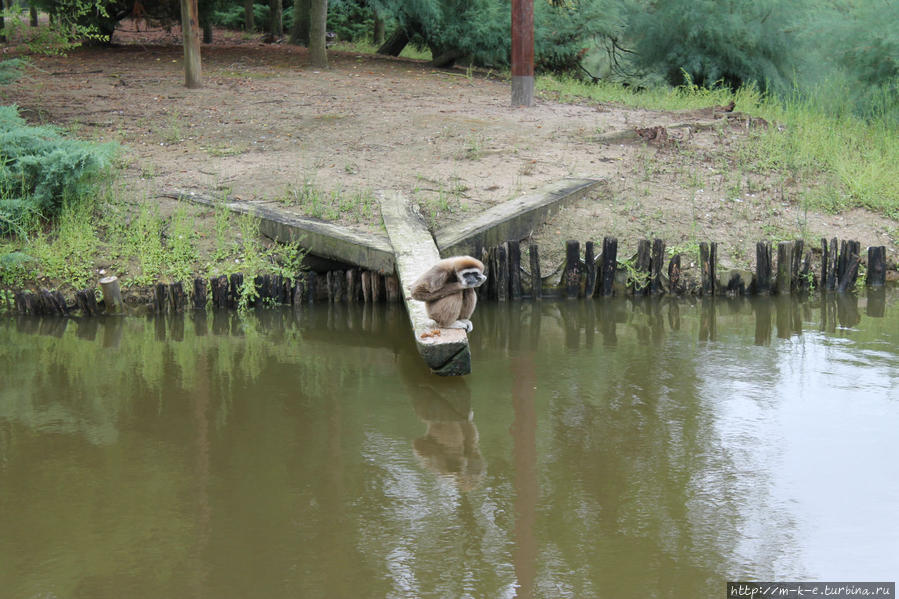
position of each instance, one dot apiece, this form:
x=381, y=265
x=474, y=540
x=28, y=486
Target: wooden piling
x=848, y=265
x=501, y=265
x=177, y=297
x=609, y=264
x=234, y=289
x=366, y=286
x=796, y=265
x=763, y=267
x=784, y=267
x=656, y=264
x=220, y=291
x=705, y=267
x=833, y=265
x=571, y=275
x=589, y=270
x=86, y=301
x=536, y=281
x=514, y=270
x=642, y=266
x=199, y=295
x=112, y=294
x=877, y=266
x=377, y=287
x=160, y=297
x=675, y=282
x=392, y=289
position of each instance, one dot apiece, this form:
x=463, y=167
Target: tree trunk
x=395, y=43
x=248, y=17
x=299, y=33
x=378, y=33
x=318, y=19
x=276, y=24
x=190, y=33
x=33, y=13
x=445, y=59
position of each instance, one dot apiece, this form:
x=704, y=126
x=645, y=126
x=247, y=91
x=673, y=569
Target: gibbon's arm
x=423, y=293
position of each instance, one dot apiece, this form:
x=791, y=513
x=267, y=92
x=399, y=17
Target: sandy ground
x=266, y=126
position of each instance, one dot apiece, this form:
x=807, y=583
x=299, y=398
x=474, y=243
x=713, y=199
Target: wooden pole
x=571, y=279
x=112, y=295
x=675, y=284
x=877, y=271
x=514, y=270
x=590, y=269
x=763, y=267
x=784, y=267
x=190, y=33
x=609, y=264
x=536, y=282
x=642, y=267
x=522, y=52
x=502, y=271
x=658, y=258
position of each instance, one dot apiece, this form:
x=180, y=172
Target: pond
x=614, y=448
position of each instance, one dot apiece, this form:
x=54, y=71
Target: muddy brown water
x=598, y=449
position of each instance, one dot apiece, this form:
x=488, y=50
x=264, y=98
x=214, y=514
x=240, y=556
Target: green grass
x=840, y=159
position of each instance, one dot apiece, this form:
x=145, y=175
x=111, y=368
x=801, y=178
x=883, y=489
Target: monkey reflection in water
x=450, y=445
x=447, y=289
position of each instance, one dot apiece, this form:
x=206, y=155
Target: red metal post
x=522, y=52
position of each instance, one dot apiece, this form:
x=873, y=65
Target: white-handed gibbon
x=447, y=289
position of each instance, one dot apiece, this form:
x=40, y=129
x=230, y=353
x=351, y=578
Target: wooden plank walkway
x=447, y=352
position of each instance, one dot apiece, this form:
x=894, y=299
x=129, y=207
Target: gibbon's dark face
x=471, y=277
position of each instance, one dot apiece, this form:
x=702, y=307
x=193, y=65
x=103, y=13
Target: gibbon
x=447, y=289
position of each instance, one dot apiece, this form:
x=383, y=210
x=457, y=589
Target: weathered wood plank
x=320, y=238
x=513, y=220
x=447, y=351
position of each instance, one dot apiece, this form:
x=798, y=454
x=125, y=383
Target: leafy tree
x=711, y=41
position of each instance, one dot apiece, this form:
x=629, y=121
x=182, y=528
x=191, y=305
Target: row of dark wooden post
x=594, y=274
x=225, y=291
x=590, y=276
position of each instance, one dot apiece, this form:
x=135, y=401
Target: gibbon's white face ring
x=471, y=277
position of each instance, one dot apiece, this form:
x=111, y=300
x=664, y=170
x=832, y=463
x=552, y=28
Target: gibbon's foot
x=462, y=324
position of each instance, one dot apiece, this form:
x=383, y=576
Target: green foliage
x=735, y=42
x=73, y=22
x=66, y=253
x=11, y=69
x=40, y=169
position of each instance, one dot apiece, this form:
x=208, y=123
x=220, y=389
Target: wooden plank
x=513, y=220
x=445, y=353
x=319, y=238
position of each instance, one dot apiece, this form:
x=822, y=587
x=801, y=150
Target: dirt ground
x=267, y=127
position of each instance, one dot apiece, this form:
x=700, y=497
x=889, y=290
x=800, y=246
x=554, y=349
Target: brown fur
x=446, y=299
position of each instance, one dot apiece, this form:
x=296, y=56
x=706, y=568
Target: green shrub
x=39, y=169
